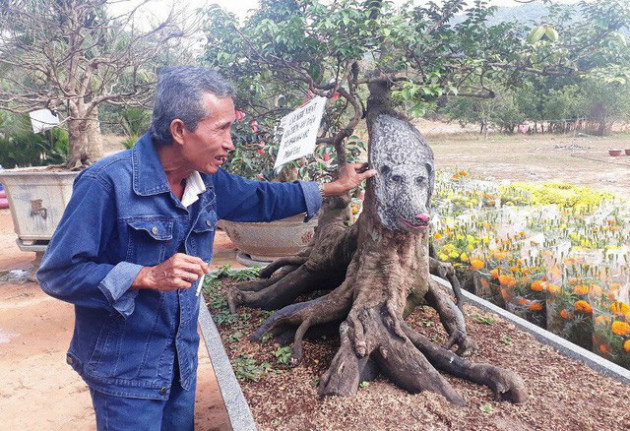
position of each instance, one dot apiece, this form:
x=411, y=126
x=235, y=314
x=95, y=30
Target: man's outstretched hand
x=178, y=272
x=350, y=176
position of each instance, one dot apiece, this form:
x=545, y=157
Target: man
x=136, y=237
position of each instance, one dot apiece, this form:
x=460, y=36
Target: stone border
x=239, y=414
x=596, y=362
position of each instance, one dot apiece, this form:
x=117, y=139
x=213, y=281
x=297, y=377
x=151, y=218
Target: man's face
x=206, y=148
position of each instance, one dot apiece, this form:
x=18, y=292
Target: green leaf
x=536, y=34
x=551, y=34
x=484, y=320
x=486, y=408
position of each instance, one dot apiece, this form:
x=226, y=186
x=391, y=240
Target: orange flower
x=596, y=290
x=500, y=255
x=620, y=328
x=437, y=236
x=506, y=280
x=477, y=263
x=626, y=346
x=602, y=320
x=463, y=173
x=573, y=281
x=524, y=301
x=538, y=286
x=552, y=288
x=603, y=348
x=495, y=273
x=504, y=294
x=619, y=307
x=583, y=306
x=564, y=314
x=456, y=177
x=580, y=289
x=535, y=306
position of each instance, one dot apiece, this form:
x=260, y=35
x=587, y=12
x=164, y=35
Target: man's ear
x=178, y=129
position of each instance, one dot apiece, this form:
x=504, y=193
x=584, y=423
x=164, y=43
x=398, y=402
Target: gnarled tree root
x=328, y=308
x=394, y=355
x=452, y=319
x=506, y=385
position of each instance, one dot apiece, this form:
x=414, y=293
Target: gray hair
x=179, y=94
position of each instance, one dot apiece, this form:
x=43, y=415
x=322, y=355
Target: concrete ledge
x=239, y=414
x=565, y=347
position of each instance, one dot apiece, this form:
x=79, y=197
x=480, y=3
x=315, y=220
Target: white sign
x=42, y=120
x=299, y=131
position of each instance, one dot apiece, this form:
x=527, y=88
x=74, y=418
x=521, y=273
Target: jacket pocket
x=148, y=239
x=106, y=354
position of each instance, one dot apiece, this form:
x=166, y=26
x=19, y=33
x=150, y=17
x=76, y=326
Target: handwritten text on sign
x=299, y=131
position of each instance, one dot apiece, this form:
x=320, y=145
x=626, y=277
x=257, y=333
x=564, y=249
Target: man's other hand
x=178, y=272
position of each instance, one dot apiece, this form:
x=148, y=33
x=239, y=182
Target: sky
x=240, y=7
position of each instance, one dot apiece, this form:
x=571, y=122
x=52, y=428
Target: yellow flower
x=580, y=289
x=443, y=257
x=495, y=273
x=619, y=307
x=552, y=288
x=620, y=328
x=477, y=263
x=583, y=306
x=463, y=257
x=453, y=255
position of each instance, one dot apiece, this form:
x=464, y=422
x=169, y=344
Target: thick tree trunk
x=379, y=271
x=86, y=146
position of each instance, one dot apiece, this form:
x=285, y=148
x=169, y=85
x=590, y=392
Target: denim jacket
x=123, y=216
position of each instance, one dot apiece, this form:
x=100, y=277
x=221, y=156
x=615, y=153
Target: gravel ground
x=563, y=393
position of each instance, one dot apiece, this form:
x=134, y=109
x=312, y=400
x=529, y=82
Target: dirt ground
x=40, y=391
x=535, y=158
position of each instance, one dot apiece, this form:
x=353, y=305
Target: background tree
x=71, y=56
x=367, y=57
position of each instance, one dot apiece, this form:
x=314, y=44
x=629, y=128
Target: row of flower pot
x=616, y=152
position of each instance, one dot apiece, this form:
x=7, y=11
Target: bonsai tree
x=371, y=60
x=73, y=56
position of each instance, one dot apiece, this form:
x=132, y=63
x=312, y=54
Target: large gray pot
x=37, y=200
x=268, y=241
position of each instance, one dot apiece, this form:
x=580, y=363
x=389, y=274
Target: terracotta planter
x=614, y=153
x=268, y=241
x=37, y=200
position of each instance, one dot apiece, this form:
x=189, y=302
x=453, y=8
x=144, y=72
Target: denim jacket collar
x=149, y=177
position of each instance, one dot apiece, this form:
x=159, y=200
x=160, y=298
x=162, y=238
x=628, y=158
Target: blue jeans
x=117, y=413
